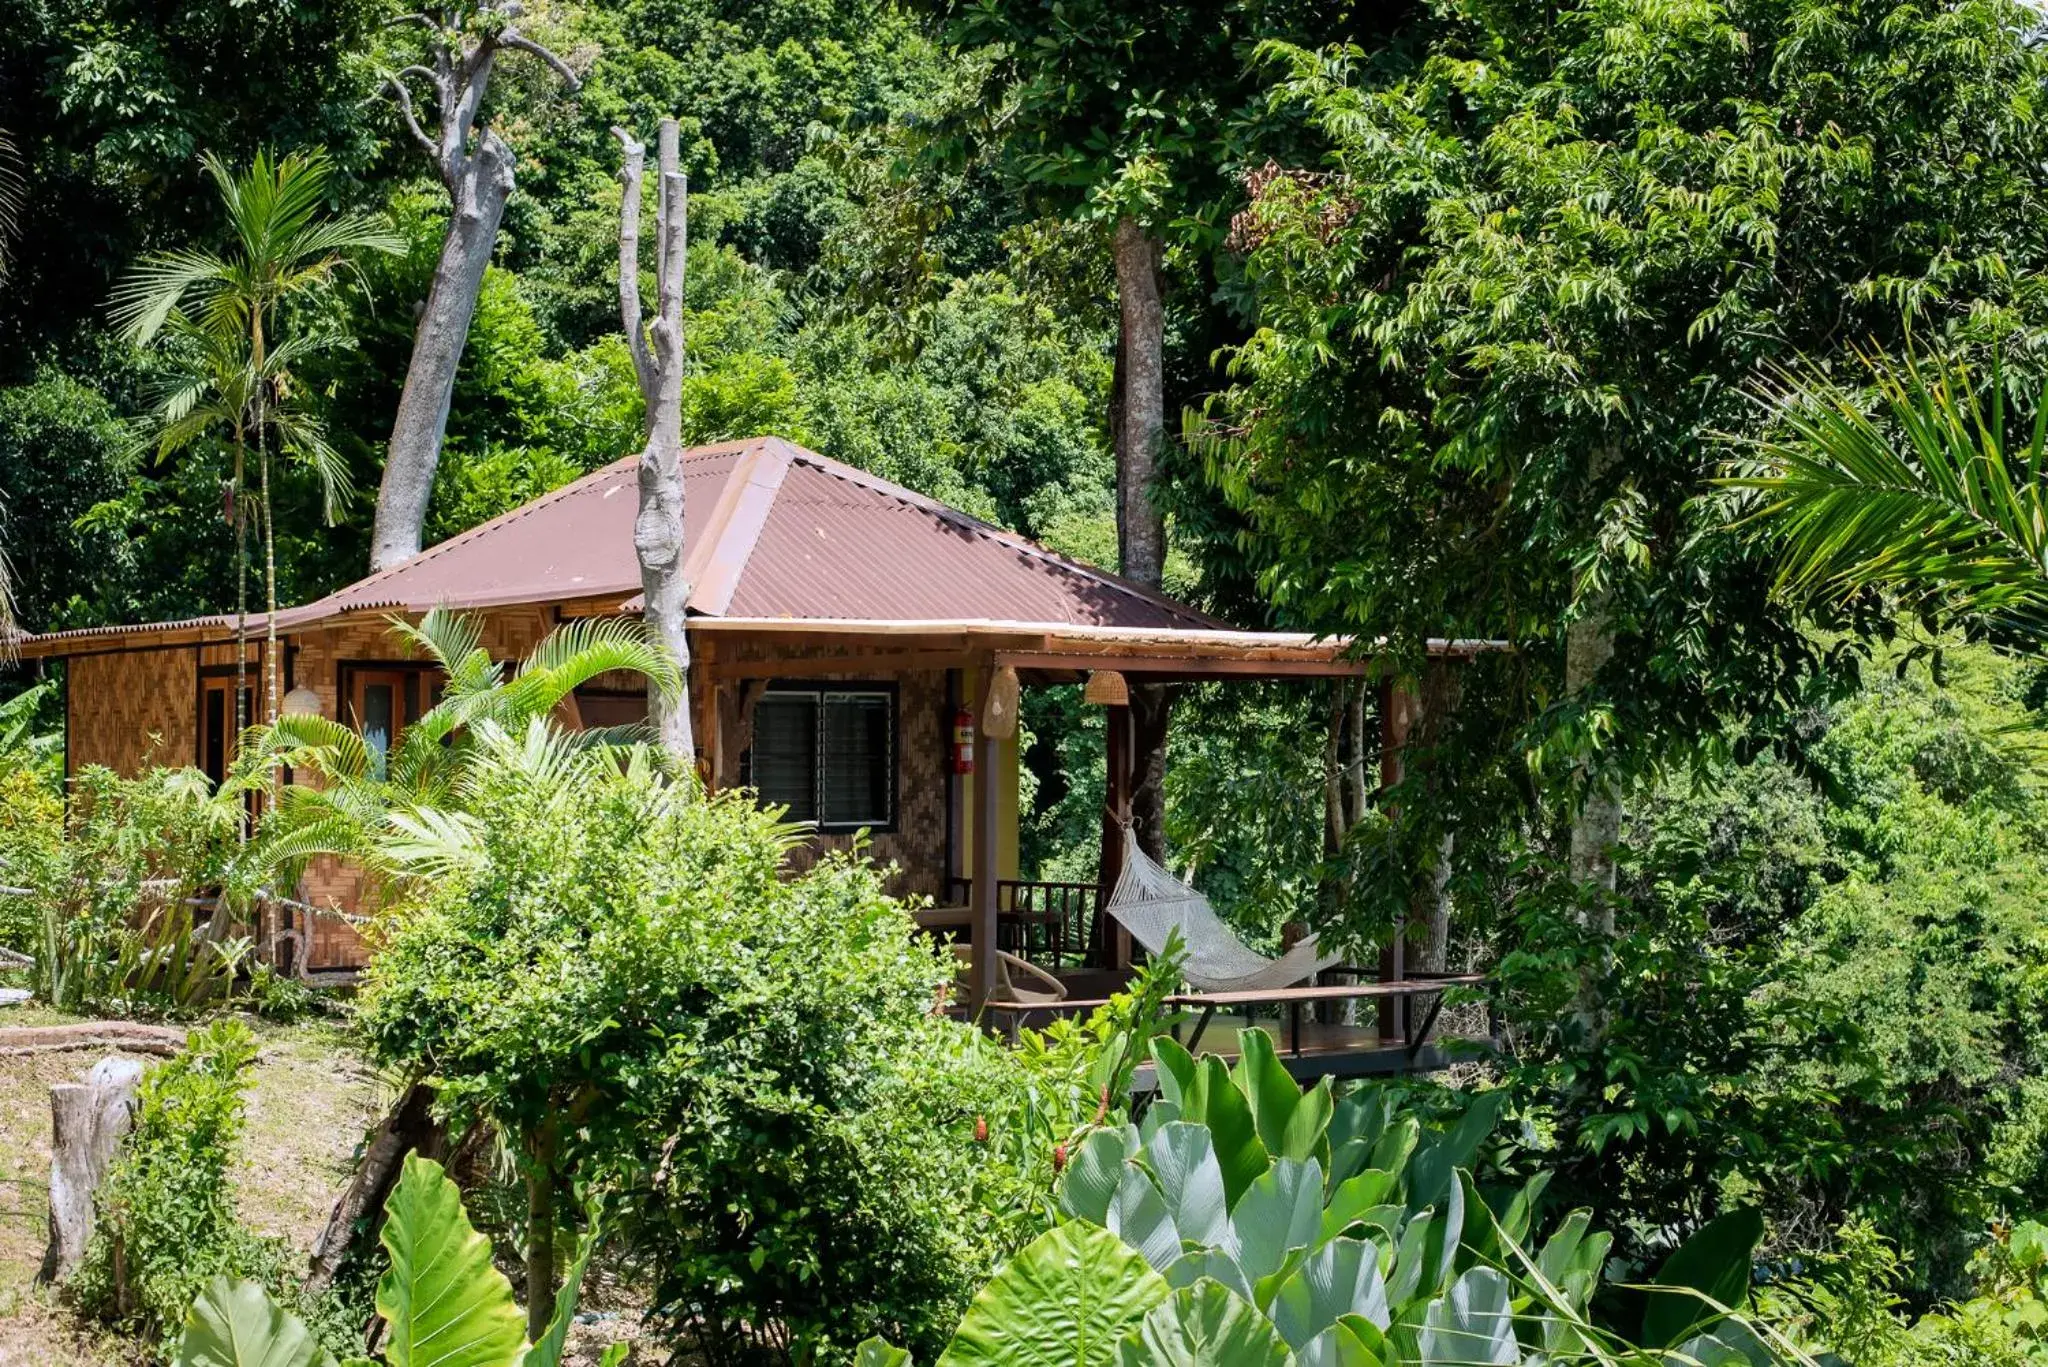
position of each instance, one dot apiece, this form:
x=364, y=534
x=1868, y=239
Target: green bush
x=114, y=931
x=621, y=976
x=31, y=846
x=166, y=1218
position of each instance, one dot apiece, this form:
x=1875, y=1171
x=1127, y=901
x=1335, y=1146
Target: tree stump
x=87, y=1122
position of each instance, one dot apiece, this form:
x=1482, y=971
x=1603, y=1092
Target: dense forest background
x=1461, y=301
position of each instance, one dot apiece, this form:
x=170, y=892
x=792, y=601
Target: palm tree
x=387, y=808
x=1934, y=492
x=225, y=315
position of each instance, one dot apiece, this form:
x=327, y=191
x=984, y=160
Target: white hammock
x=1151, y=903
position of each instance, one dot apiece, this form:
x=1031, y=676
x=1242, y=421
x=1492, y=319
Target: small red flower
x=1059, y=1158
x=981, y=1129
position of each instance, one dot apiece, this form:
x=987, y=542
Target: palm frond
x=445, y=636
x=1908, y=486
x=158, y=284
x=577, y=652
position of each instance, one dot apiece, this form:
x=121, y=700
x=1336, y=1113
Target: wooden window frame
x=346, y=672
x=819, y=689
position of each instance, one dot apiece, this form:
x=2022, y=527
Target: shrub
x=113, y=928
x=166, y=1217
x=615, y=971
x=31, y=846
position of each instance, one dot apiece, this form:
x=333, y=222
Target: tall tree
x=476, y=167
x=1119, y=114
x=232, y=355
x=658, y=537
x=1508, y=309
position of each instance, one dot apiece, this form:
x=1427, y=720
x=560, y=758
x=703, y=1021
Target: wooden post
x=982, y=969
x=1116, y=818
x=1396, y=713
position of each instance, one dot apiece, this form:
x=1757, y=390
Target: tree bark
x=476, y=167
x=1140, y=428
x=87, y=1122
x=540, y=1234
x=415, y=450
x=408, y=1127
x=1589, y=644
x=658, y=356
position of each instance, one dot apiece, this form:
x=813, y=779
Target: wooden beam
x=1184, y=667
x=1116, y=818
x=981, y=977
x=881, y=662
x=1397, y=712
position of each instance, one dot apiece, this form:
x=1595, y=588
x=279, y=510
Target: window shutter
x=854, y=777
x=785, y=753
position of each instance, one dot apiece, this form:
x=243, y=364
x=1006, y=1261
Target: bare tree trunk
x=477, y=168
x=415, y=450
x=1141, y=529
x=658, y=537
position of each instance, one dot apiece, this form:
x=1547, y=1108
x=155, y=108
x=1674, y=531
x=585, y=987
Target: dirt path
x=310, y=1099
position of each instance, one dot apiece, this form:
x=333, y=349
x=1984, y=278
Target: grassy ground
x=309, y=1103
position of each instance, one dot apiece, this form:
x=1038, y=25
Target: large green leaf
x=876, y=1353
x=1175, y=1067
x=1274, y=1095
x=1215, y=1264
x=1283, y=1210
x=1065, y=1300
x=1342, y=1346
x=1183, y=1159
x=1093, y=1173
x=1433, y=1170
x=1352, y=1199
x=1204, y=1325
x=445, y=1304
x=1139, y=1217
x=1215, y=1101
x=236, y=1324
x=1472, y=1324
x=1340, y=1278
x=1709, y=1272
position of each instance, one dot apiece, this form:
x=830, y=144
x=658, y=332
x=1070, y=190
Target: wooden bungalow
x=848, y=637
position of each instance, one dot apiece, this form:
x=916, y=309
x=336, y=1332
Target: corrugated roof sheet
x=774, y=531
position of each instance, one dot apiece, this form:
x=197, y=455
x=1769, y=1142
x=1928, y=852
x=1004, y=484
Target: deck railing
x=1053, y=924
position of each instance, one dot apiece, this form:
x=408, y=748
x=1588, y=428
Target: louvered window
x=828, y=753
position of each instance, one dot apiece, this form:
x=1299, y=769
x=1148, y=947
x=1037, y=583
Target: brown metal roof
x=775, y=532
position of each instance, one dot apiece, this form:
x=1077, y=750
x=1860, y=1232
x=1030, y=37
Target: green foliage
x=615, y=972
x=166, y=1223
x=443, y=1303
x=1245, y=1221
x=114, y=931
x=1936, y=496
x=1825, y=996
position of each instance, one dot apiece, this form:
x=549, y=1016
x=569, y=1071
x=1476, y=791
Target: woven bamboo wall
x=133, y=709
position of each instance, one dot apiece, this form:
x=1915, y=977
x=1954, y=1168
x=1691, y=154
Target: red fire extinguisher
x=963, y=742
